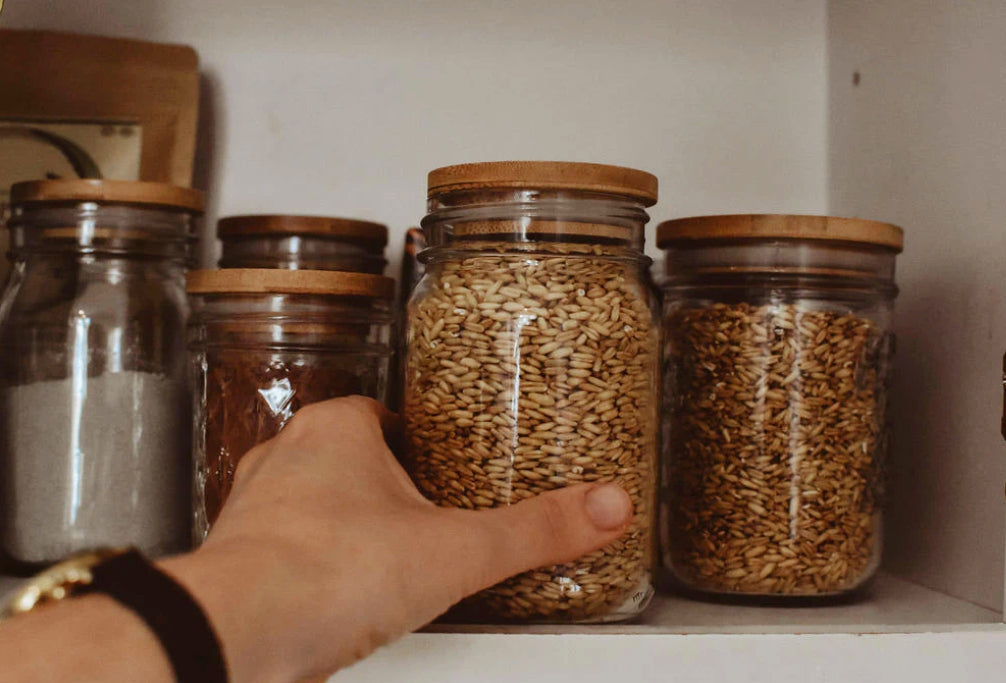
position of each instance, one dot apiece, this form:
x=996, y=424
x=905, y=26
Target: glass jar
x=263, y=344
x=302, y=243
x=95, y=449
x=532, y=358
x=778, y=343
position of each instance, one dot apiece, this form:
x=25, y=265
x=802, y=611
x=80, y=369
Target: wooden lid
x=108, y=191
x=546, y=175
x=279, y=281
x=684, y=231
x=275, y=224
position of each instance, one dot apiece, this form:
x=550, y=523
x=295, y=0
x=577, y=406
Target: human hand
x=325, y=550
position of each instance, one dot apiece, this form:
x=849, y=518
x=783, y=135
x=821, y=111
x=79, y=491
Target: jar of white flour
x=94, y=409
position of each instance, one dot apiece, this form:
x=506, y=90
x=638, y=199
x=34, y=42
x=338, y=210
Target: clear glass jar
x=532, y=359
x=778, y=342
x=93, y=394
x=263, y=344
x=302, y=243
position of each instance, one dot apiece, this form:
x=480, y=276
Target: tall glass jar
x=777, y=333
x=532, y=357
x=263, y=344
x=94, y=448
x=302, y=243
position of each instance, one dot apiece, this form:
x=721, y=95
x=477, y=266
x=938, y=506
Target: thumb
x=552, y=528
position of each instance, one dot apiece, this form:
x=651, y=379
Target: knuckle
x=247, y=463
x=321, y=420
x=358, y=402
x=306, y=422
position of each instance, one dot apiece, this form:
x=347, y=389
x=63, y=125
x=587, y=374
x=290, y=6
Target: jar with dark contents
x=532, y=361
x=302, y=243
x=263, y=343
x=777, y=349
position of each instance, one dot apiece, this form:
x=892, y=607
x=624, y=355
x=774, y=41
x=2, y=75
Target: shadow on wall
x=208, y=170
x=913, y=485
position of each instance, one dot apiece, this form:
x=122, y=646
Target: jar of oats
x=532, y=360
x=777, y=349
x=302, y=243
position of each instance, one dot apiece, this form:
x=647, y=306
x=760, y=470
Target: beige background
x=922, y=142
x=342, y=107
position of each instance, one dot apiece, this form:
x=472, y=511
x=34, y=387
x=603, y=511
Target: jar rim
x=283, y=281
x=350, y=229
x=700, y=230
x=544, y=175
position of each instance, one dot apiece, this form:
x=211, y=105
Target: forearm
x=95, y=638
x=92, y=638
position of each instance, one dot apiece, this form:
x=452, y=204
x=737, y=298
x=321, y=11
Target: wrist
x=241, y=603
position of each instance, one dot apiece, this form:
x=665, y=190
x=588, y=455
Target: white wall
x=921, y=142
x=342, y=107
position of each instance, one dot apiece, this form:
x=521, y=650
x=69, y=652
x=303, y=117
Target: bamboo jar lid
x=277, y=281
x=110, y=192
x=544, y=175
x=349, y=229
x=686, y=231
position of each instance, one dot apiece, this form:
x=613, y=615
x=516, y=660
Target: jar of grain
x=532, y=357
x=265, y=342
x=302, y=243
x=777, y=333
x=94, y=448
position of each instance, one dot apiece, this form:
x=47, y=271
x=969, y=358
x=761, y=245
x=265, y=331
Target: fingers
x=320, y=423
x=391, y=423
x=555, y=527
x=323, y=421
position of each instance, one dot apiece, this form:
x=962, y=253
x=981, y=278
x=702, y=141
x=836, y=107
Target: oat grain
x=560, y=349
x=775, y=442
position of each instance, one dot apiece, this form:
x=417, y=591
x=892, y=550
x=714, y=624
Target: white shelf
x=890, y=605
x=901, y=631
x=602, y=658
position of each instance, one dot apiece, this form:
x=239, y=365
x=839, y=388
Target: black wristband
x=169, y=610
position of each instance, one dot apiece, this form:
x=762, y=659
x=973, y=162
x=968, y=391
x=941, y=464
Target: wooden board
x=68, y=77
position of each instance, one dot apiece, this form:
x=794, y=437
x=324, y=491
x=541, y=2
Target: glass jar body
x=532, y=358
x=301, y=252
x=776, y=368
x=95, y=402
x=258, y=358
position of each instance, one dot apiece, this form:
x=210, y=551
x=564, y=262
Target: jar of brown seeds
x=532, y=360
x=777, y=347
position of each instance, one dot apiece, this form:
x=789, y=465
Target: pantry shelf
x=899, y=631
x=890, y=605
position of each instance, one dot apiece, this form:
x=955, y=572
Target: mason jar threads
x=95, y=448
x=266, y=342
x=778, y=342
x=532, y=358
x=302, y=243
